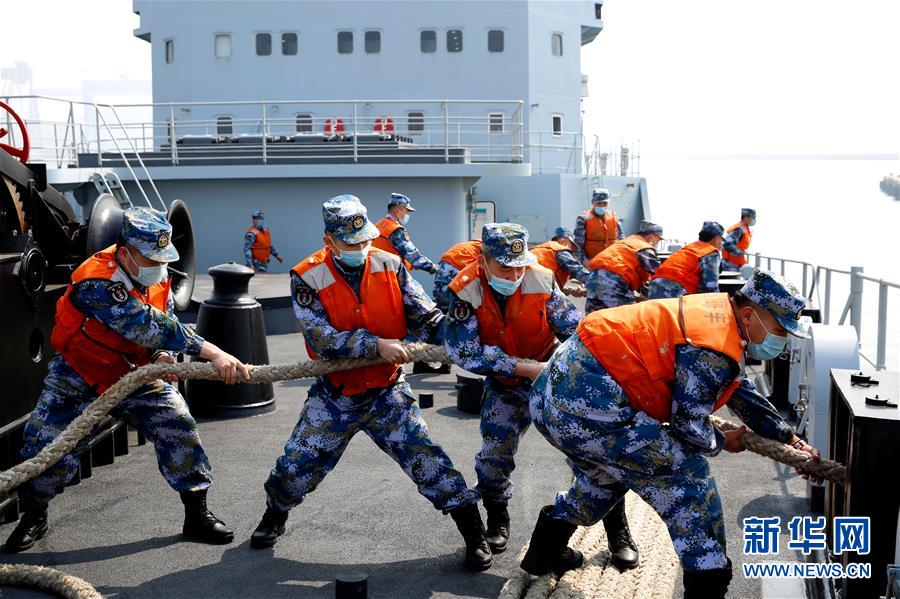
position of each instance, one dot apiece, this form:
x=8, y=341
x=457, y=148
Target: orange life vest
x=522, y=331
x=386, y=227
x=262, y=247
x=683, y=266
x=743, y=245
x=462, y=254
x=599, y=232
x=378, y=309
x=621, y=258
x=100, y=355
x=546, y=255
x=636, y=344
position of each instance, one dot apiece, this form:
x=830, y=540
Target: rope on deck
x=47, y=579
x=418, y=352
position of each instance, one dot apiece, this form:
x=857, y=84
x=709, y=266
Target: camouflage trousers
x=445, y=274
x=391, y=418
x=504, y=419
x=610, y=448
x=725, y=265
x=606, y=290
x=663, y=288
x=156, y=409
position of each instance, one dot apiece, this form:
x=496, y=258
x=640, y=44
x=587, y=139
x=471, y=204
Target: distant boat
x=890, y=185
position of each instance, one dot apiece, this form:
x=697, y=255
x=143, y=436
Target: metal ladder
x=110, y=183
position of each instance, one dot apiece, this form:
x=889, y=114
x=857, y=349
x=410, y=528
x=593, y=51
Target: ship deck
x=119, y=530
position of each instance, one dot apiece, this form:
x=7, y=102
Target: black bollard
x=351, y=585
x=469, y=392
x=233, y=320
x=426, y=400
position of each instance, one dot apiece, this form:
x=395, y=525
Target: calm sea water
x=827, y=212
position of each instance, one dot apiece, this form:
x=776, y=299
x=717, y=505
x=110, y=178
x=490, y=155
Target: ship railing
x=59, y=141
x=555, y=151
x=168, y=134
x=603, y=161
x=824, y=283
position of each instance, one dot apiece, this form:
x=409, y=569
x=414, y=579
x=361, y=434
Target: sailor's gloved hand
x=802, y=445
x=164, y=358
x=733, y=439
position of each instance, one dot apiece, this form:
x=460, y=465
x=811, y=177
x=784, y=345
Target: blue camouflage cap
x=347, y=219
x=748, y=212
x=779, y=297
x=563, y=232
x=507, y=243
x=649, y=227
x=600, y=194
x=259, y=214
x=148, y=231
x=711, y=227
x=398, y=199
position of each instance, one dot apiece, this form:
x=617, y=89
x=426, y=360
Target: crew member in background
x=349, y=310
x=686, y=357
x=258, y=244
x=598, y=228
x=623, y=268
x=394, y=238
x=116, y=315
x=454, y=260
x=737, y=241
x=692, y=269
x=557, y=255
x=505, y=309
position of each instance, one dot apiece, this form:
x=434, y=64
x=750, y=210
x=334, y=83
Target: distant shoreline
x=873, y=156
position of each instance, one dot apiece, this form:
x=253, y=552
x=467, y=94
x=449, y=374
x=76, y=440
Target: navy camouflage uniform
x=250, y=241
x=567, y=260
x=607, y=290
x=400, y=238
x=580, y=232
x=709, y=280
x=732, y=239
x=156, y=409
x=504, y=411
x=443, y=276
x=390, y=416
x=611, y=448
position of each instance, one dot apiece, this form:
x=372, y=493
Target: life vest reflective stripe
x=621, y=258
x=546, y=255
x=378, y=309
x=462, y=254
x=522, y=331
x=636, y=344
x=599, y=233
x=683, y=266
x=97, y=353
x=743, y=244
x=262, y=247
x=386, y=228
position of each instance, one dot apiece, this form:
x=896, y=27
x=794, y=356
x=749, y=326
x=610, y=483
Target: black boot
x=707, y=584
x=428, y=368
x=270, y=528
x=200, y=524
x=624, y=552
x=468, y=521
x=548, y=551
x=497, y=526
x=32, y=526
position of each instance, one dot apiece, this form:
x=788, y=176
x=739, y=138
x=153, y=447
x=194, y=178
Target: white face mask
x=148, y=276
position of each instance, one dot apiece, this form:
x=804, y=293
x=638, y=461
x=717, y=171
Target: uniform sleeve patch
x=462, y=311
x=304, y=297
x=118, y=292
x=404, y=235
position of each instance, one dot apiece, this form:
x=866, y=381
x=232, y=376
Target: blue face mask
x=405, y=219
x=148, y=276
x=771, y=347
x=261, y=223
x=599, y=210
x=752, y=223
x=352, y=258
x=502, y=286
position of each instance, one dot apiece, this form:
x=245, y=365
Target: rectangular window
x=223, y=45
x=454, y=40
x=415, y=122
x=495, y=40
x=289, y=44
x=345, y=42
x=304, y=123
x=263, y=44
x=373, y=42
x=556, y=124
x=224, y=125
x=170, y=51
x=556, y=44
x=598, y=10
x=495, y=122
x=428, y=41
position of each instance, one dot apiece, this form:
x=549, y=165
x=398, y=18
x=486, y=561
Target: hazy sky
x=688, y=77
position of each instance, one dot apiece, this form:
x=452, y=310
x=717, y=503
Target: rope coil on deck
x=70, y=586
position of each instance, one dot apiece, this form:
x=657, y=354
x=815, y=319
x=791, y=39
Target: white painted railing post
x=856, y=291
